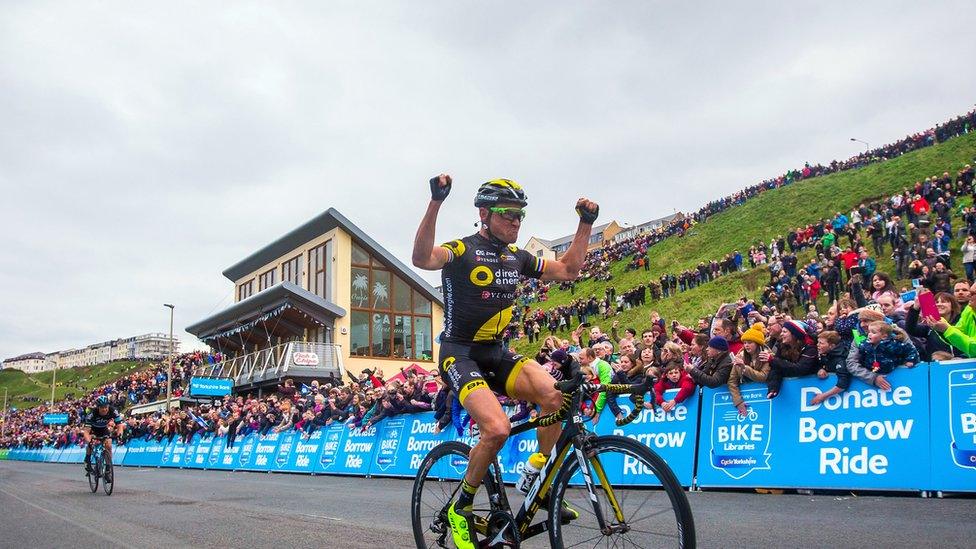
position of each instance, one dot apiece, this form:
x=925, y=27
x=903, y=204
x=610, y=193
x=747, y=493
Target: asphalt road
x=49, y=505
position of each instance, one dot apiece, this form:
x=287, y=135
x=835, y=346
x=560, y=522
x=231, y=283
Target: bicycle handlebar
x=571, y=386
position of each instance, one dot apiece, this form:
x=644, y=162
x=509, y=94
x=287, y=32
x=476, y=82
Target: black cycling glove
x=438, y=193
x=587, y=216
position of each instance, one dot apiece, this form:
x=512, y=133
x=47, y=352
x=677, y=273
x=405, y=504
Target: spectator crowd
x=868, y=327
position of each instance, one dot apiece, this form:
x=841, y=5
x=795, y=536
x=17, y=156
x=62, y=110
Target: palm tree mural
x=380, y=294
x=360, y=289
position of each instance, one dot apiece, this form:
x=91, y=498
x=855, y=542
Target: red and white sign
x=305, y=359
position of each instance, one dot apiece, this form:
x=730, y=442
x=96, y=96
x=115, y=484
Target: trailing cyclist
x=479, y=274
x=101, y=422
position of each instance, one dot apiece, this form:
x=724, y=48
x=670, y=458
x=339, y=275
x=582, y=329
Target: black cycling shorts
x=466, y=367
x=98, y=432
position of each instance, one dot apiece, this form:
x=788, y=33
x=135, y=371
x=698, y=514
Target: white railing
x=276, y=361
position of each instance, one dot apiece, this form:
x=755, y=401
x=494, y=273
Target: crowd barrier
x=920, y=436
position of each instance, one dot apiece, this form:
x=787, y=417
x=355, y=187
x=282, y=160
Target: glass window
x=381, y=334
x=319, y=261
x=423, y=344
x=402, y=337
x=421, y=305
x=266, y=280
x=291, y=270
x=359, y=334
x=360, y=287
x=359, y=255
x=401, y=295
x=381, y=289
x=375, y=294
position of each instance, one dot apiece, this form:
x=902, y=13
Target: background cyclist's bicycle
x=102, y=470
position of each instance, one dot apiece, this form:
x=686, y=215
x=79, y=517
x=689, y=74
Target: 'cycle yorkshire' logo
x=962, y=417
x=740, y=443
x=389, y=443
x=284, y=449
x=218, y=444
x=331, y=447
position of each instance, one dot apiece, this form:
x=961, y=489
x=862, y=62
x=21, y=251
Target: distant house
x=636, y=230
x=554, y=249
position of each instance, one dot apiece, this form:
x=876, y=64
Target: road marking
x=81, y=525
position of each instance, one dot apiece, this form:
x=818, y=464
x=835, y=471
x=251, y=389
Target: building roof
x=596, y=229
x=319, y=225
x=28, y=356
x=260, y=303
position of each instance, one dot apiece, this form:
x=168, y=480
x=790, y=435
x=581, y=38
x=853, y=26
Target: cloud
x=148, y=147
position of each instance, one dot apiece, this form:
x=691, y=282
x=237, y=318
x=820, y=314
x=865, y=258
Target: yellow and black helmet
x=500, y=190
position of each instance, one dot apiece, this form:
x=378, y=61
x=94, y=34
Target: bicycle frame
x=574, y=435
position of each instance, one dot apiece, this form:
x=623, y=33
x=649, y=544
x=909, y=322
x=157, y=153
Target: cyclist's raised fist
x=587, y=210
x=440, y=187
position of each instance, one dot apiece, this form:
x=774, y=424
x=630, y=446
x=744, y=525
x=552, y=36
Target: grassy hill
x=76, y=381
x=771, y=214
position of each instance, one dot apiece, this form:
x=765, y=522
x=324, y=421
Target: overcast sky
x=145, y=147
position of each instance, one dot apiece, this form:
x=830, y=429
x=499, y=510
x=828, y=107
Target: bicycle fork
x=584, y=465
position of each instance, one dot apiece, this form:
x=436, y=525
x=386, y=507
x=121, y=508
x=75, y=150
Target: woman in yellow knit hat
x=746, y=365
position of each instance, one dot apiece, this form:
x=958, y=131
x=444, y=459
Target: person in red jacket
x=674, y=377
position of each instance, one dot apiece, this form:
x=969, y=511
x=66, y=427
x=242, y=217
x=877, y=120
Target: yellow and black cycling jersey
x=479, y=284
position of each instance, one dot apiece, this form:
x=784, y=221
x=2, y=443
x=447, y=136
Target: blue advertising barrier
x=264, y=453
x=404, y=442
x=953, y=448
x=921, y=435
x=173, y=453
x=305, y=452
x=347, y=451
x=863, y=438
x=243, y=452
x=201, y=455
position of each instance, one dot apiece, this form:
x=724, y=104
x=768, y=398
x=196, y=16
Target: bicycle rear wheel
x=93, y=476
x=108, y=475
x=652, y=517
x=436, y=486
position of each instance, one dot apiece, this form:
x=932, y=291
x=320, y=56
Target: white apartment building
x=30, y=363
x=142, y=347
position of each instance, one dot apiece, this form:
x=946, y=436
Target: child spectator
x=885, y=349
x=832, y=356
x=674, y=378
x=747, y=365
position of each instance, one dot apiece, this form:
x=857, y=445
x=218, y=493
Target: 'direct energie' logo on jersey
x=482, y=276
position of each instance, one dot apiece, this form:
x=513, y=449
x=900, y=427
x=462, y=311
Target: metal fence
x=307, y=358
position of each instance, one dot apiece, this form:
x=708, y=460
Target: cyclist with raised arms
x=99, y=422
x=479, y=274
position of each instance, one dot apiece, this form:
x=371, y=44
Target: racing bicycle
x=102, y=469
x=641, y=514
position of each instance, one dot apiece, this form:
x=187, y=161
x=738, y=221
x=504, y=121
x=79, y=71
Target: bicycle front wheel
x=436, y=486
x=108, y=476
x=93, y=476
x=629, y=516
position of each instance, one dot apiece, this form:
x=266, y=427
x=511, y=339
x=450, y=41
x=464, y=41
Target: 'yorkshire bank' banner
x=953, y=415
x=863, y=438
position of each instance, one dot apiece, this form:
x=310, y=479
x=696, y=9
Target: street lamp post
x=3, y=426
x=54, y=383
x=867, y=146
x=169, y=359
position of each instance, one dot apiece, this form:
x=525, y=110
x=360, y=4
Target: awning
x=283, y=310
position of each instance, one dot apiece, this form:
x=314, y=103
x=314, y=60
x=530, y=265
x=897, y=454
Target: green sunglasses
x=511, y=214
